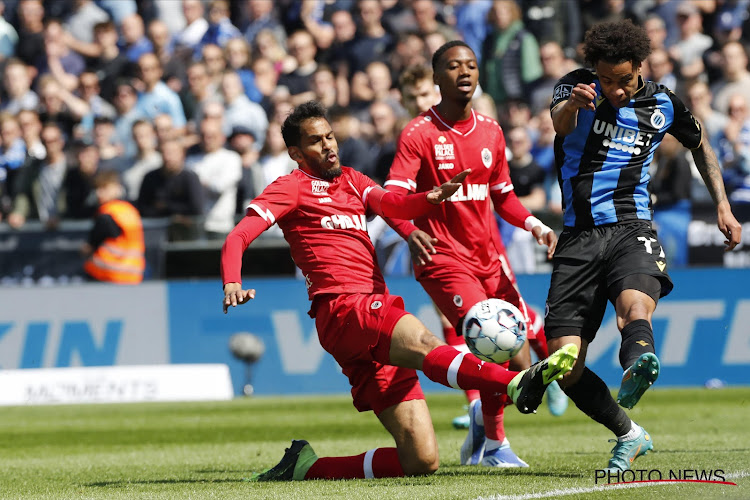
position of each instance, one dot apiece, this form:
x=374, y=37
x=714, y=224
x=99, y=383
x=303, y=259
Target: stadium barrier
x=700, y=329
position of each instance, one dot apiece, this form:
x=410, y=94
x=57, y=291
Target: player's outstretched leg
x=293, y=466
x=527, y=388
x=629, y=447
x=472, y=450
x=637, y=379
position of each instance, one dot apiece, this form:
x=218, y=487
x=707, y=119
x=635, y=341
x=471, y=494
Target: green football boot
x=625, y=452
x=527, y=388
x=637, y=379
x=295, y=463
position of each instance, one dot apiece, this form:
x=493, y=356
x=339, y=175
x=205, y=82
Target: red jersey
x=325, y=224
x=430, y=152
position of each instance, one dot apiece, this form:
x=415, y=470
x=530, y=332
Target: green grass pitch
x=204, y=450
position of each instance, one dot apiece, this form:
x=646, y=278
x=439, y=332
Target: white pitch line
x=592, y=489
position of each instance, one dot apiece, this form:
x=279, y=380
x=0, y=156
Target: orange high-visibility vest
x=120, y=259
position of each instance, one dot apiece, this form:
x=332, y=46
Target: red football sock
x=457, y=341
x=450, y=367
x=493, y=405
x=380, y=462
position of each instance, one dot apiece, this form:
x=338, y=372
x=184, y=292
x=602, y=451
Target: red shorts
x=455, y=290
x=356, y=329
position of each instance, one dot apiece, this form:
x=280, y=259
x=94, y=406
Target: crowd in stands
x=185, y=99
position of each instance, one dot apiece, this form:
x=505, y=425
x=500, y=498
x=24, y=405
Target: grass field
x=204, y=450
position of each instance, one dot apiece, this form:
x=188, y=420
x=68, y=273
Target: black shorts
x=592, y=266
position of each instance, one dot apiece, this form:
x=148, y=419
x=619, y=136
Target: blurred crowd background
x=185, y=98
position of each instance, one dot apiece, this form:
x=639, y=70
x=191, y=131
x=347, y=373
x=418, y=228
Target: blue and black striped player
x=609, y=122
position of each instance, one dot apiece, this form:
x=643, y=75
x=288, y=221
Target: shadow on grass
x=122, y=484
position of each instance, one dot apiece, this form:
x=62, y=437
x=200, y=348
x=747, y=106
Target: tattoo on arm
x=708, y=166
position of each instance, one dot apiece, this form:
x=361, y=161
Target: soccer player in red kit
x=321, y=209
x=458, y=246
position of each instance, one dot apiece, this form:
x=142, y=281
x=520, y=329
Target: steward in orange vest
x=115, y=249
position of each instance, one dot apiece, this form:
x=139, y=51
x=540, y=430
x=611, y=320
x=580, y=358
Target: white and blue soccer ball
x=494, y=330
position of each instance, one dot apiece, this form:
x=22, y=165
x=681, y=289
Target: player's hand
x=421, y=247
x=729, y=226
x=549, y=238
x=582, y=96
x=445, y=191
x=234, y=295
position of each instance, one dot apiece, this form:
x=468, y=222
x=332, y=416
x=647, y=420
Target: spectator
x=510, y=55
x=165, y=130
x=174, y=67
x=385, y=133
x=40, y=185
x=267, y=46
x=471, y=23
x=242, y=141
x=555, y=65
x=670, y=188
x=310, y=16
x=219, y=171
x=125, y=101
x=110, y=151
x=527, y=176
x=31, y=128
x=324, y=86
x=172, y=191
x=109, y=63
x=134, y=42
x=17, y=79
x=118, y=9
x=60, y=106
x=115, y=251
x=220, y=28
x=689, y=49
x=188, y=40
x=372, y=42
x=374, y=84
x=418, y=90
x=58, y=60
x=261, y=16
x=88, y=90
x=352, y=147
x=198, y=91
x=556, y=21
x=85, y=16
x=274, y=159
x=734, y=149
x=239, y=111
x=213, y=57
x=699, y=96
x=425, y=15
x=659, y=68
x=12, y=158
x=265, y=80
x=30, y=31
x=146, y=160
x=344, y=32
x=656, y=30
x=237, y=55
x=297, y=83
x=736, y=78
x=78, y=185
x=8, y=36
x=156, y=97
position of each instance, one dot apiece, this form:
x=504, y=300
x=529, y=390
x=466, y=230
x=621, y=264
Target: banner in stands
x=706, y=243
x=700, y=330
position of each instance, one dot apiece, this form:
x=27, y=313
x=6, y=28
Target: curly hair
x=616, y=42
x=290, y=130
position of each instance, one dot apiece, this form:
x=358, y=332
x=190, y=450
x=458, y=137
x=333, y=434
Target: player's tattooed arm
x=708, y=166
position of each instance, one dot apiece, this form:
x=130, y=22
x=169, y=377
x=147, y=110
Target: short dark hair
x=413, y=74
x=290, y=130
x=616, y=42
x=444, y=48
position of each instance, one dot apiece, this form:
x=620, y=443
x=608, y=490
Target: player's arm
x=565, y=113
x=512, y=210
x=708, y=166
x=389, y=204
x=249, y=228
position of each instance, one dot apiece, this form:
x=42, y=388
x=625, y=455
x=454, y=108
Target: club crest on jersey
x=320, y=188
x=562, y=92
x=487, y=157
x=658, y=119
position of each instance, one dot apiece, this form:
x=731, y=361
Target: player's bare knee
x=424, y=464
x=635, y=311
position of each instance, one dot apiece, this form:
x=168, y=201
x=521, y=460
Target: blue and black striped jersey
x=603, y=165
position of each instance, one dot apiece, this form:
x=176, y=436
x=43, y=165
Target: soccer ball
x=494, y=330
